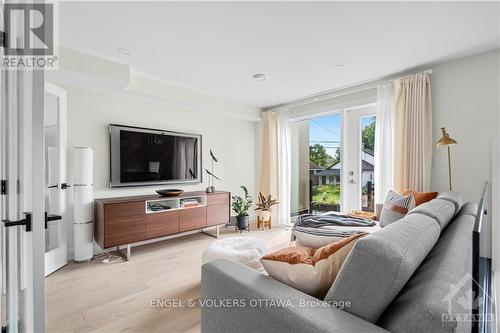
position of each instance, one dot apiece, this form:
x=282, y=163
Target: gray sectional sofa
x=411, y=276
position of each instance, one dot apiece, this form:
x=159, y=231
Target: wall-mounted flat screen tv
x=143, y=156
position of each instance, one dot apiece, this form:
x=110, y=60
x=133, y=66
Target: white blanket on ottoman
x=245, y=250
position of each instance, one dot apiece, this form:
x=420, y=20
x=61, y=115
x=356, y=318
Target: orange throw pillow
x=309, y=270
x=421, y=197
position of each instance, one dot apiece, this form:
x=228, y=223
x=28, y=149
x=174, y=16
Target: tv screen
x=141, y=156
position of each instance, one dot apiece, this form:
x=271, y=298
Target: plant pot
x=264, y=215
x=242, y=222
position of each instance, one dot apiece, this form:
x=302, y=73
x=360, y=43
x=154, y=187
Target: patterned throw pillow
x=309, y=270
x=396, y=206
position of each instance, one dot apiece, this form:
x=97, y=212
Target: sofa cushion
x=381, y=263
x=453, y=197
x=421, y=197
x=440, y=210
x=470, y=208
x=426, y=296
x=309, y=270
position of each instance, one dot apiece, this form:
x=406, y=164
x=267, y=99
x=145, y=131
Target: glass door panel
x=55, y=178
x=367, y=163
x=325, y=167
x=360, y=161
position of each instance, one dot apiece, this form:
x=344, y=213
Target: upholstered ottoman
x=245, y=250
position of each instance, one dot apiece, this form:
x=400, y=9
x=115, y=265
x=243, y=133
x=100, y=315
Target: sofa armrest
x=235, y=298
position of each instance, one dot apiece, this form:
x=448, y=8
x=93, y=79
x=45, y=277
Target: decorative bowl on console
x=170, y=192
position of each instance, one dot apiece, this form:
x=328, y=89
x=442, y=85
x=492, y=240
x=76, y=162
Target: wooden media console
x=127, y=220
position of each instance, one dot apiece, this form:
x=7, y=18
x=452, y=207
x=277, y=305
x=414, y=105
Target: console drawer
x=162, y=224
x=192, y=218
x=124, y=230
x=217, y=214
x=124, y=209
x=218, y=199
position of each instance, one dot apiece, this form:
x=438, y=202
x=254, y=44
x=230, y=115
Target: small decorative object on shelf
x=264, y=206
x=241, y=206
x=157, y=206
x=211, y=175
x=170, y=192
x=190, y=203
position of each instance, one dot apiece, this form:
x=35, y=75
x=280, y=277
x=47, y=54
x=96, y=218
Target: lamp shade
x=445, y=139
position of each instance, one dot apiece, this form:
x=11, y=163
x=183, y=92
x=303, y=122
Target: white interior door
x=22, y=210
x=358, y=171
x=56, y=243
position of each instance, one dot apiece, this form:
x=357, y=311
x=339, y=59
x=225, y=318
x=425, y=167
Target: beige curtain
x=413, y=133
x=269, y=157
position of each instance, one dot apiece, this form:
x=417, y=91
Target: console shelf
x=128, y=220
x=168, y=204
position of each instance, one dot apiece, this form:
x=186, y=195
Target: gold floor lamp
x=446, y=141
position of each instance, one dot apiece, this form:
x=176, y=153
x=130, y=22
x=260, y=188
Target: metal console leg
x=216, y=235
x=127, y=254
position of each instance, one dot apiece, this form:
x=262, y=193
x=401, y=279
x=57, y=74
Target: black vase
x=242, y=222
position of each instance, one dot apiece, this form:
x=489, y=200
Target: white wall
x=232, y=140
x=465, y=100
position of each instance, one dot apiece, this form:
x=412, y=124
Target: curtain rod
x=345, y=90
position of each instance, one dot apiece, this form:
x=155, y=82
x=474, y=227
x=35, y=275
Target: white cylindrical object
x=83, y=203
x=83, y=166
x=84, y=249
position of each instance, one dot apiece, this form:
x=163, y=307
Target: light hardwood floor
x=97, y=297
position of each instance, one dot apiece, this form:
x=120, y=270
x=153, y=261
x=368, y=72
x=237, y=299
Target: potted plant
x=265, y=206
x=241, y=206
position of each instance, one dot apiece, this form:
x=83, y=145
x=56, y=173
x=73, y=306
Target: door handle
x=26, y=222
x=51, y=217
x=352, y=181
x=64, y=186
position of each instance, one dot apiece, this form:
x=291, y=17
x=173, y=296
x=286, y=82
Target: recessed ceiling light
x=123, y=51
x=338, y=66
x=259, y=77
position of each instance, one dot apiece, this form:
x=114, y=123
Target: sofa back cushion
x=381, y=263
x=429, y=293
x=440, y=210
x=454, y=197
x=470, y=208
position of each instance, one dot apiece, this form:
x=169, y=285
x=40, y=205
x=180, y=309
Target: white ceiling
x=217, y=47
